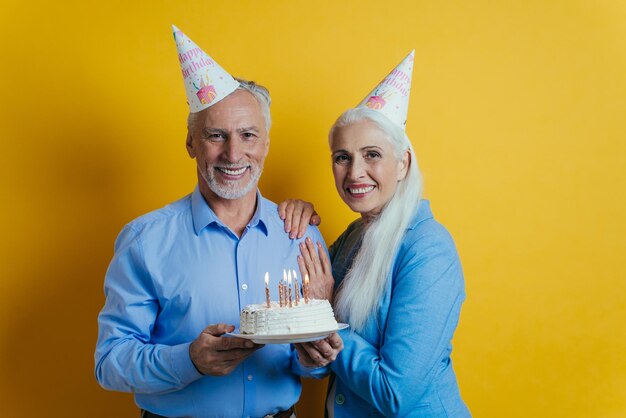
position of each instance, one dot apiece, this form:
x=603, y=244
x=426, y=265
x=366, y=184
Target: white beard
x=230, y=189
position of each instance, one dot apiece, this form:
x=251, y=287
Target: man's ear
x=267, y=145
x=403, y=165
x=189, y=143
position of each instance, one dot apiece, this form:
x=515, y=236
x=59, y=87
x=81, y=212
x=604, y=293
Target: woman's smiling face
x=365, y=167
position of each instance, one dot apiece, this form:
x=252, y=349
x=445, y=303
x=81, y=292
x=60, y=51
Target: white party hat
x=206, y=83
x=391, y=96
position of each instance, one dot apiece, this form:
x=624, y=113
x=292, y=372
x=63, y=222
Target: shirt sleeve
x=427, y=293
x=125, y=359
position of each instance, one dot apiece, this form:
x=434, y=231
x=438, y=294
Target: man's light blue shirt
x=175, y=271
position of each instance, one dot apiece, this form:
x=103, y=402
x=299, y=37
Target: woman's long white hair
x=361, y=290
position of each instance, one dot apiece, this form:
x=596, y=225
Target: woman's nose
x=356, y=169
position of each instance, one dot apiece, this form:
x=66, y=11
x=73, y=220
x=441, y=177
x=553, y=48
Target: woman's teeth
x=361, y=190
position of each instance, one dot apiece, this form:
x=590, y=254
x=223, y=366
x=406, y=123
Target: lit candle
x=289, y=282
x=296, y=287
x=267, y=289
x=305, y=288
x=281, y=288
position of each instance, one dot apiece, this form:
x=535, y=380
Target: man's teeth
x=361, y=190
x=232, y=172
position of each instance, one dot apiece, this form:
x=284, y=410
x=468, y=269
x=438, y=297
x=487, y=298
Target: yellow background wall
x=517, y=115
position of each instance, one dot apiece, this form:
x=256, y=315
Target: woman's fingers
x=303, y=269
x=314, y=261
x=306, y=218
x=315, y=219
x=325, y=261
x=285, y=211
x=313, y=356
x=282, y=208
x=296, y=221
x=335, y=341
x=304, y=357
x=308, y=260
x=297, y=215
x=312, y=257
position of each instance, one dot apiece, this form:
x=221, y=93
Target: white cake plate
x=287, y=338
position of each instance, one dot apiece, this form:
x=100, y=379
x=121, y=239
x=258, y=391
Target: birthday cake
x=315, y=315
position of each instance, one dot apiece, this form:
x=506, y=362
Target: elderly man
x=180, y=275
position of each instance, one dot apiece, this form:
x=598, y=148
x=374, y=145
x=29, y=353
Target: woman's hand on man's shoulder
x=298, y=215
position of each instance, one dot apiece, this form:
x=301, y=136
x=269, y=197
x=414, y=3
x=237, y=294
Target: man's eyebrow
x=209, y=130
x=248, y=129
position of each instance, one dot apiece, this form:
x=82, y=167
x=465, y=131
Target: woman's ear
x=403, y=165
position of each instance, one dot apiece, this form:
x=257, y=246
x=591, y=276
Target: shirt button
x=340, y=399
x=249, y=377
x=244, y=286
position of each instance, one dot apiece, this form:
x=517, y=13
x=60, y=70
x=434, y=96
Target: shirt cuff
x=182, y=364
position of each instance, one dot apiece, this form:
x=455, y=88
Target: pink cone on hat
x=391, y=96
x=206, y=82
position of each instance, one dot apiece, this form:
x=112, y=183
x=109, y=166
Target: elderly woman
x=394, y=275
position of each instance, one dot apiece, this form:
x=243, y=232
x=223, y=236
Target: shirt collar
x=204, y=216
x=422, y=213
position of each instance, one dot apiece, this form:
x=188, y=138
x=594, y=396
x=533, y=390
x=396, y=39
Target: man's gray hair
x=260, y=93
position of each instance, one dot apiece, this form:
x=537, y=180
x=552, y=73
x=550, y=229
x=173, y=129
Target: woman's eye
x=339, y=159
x=372, y=155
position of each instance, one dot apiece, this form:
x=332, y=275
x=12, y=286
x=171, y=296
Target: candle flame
x=267, y=278
x=289, y=278
x=306, y=278
x=284, y=274
x=295, y=276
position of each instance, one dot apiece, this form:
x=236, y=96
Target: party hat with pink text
x=391, y=96
x=206, y=83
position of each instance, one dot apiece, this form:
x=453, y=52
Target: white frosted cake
x=315, y=316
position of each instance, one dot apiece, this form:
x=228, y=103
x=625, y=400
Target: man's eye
x=249, y=135
x=213, y=136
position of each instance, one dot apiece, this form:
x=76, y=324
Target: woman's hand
x=314, y=262
x=297, y=214
x=320, y=353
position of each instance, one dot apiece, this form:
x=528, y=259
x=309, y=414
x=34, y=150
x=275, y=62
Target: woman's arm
x=423, y=311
